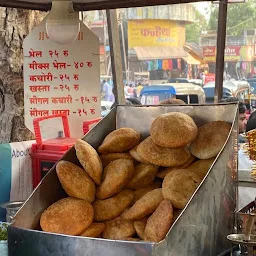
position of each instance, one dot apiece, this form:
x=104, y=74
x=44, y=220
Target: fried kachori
x=90, y=160
x=134, y=153
x=197, y=178
x=139, y=226
x=144, y=175
x=108, y=158
x=116, y=176
x=179, y=188
x=113, y=207
x=173, y=130
x=144, y=206
x=118, y=229
x=140, y=192
x=159, y=223
x=68, y=216
x=75, y=181
x=210, y=140
x=161, y=156
x=201, y=167
x=164, y=171
x=119, y=141
x=94, y=230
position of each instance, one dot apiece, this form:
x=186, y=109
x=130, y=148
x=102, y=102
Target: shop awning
x=158, y=53
x=191, y=60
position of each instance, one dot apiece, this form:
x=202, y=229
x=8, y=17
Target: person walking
x=107, y=91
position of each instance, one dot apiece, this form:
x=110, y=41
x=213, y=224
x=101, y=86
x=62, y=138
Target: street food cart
x=201, y=228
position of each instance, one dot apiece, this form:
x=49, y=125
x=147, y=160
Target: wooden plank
x=115, y=53
x=88, y=5
x=221, y=42
x=25, y=5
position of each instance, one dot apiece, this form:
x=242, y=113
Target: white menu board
x=61, y=79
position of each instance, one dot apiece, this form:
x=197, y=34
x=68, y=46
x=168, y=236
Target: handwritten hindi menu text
x=61, y=78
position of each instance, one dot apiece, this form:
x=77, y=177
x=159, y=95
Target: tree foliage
x=240, y=16
x=194, y=30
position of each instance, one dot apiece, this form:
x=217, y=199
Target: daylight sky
x=204, y=8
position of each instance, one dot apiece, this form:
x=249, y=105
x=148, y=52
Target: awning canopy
x=191, y=60
x=158, y=53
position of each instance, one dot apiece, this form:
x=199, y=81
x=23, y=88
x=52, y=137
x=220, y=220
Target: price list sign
x=61, y=78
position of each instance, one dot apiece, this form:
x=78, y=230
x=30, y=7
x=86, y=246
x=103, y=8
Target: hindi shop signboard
x=232, y=53
x=155, y=33
x=61, y=79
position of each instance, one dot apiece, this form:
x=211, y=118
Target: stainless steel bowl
x=11, y=209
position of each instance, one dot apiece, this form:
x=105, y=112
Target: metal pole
x=221, y=41
x=123, y=43
x=105, y=40
x=115, y=53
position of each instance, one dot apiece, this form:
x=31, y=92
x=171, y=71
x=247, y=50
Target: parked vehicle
x=231, y=88
x=252, y=82
x=178, y=80
x=185, y=80
x=152, y=95
x=209, y=93
x=189, y=93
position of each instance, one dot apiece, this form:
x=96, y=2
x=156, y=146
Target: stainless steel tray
x=202, y=227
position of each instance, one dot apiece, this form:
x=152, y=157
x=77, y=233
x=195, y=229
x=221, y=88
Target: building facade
x=240, y=53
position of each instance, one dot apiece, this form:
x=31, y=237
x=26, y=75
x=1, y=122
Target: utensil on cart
x=246, y=241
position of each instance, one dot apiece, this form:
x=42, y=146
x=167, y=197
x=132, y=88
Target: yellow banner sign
x=155, y=33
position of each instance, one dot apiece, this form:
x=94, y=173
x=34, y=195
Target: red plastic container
x=86, y=124
x=46, y=153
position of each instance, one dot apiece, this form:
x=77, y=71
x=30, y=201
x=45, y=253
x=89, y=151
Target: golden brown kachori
x=164, y=171
x=108, y=158
x=116, y=176
x=69, y=216
x=75, y=181
x=144, y=206
x=139, y=226
x=159, y=222
x=120, y=140
x=179, y=188
x=197, y=178
x=173, y=130
x=118, y=229
x=201, y=167
x=160, y=156
x=134, y=153
x=140, y=192
x=210, y=140
x=94, y=230
x=144, y=175
x=111, y=208
x=90, y=160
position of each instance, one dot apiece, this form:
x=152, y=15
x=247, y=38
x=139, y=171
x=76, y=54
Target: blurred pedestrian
x=138, y=89
x=107, y=91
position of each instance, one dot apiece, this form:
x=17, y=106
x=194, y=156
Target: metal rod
x=115, y=53
x=221, y=41
x=124, y=50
